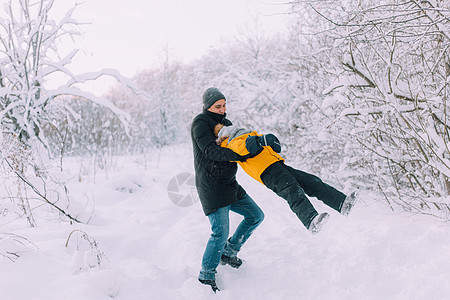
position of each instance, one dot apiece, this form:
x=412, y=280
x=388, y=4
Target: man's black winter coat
x=215, y=167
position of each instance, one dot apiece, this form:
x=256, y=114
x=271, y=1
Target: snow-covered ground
x=150, y=248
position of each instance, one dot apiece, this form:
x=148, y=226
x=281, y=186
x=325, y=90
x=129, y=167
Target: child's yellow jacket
x=254, y=166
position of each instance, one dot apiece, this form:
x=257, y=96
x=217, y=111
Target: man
x=218, y=190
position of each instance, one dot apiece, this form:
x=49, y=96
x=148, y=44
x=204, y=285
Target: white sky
x=131, y=35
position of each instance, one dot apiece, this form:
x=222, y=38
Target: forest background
x=356, y=92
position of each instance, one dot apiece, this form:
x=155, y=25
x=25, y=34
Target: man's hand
x=243, y=158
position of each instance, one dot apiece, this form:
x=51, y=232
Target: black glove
x=252, y=144
x=255, y=143
x=272, y=141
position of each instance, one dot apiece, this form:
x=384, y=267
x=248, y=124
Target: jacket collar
x=216, y=117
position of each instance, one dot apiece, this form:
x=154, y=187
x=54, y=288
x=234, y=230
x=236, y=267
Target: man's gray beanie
x=210, y=96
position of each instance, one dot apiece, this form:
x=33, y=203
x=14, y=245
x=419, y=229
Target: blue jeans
x=218, y=244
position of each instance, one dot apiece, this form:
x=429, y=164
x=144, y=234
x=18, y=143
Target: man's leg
x=220, y=229
x=253, y=216
x=277, y=178
x=315, y=187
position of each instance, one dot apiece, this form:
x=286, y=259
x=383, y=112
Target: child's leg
x=279, y=180
x=315, y=187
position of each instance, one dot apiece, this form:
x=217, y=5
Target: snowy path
x=153, y=248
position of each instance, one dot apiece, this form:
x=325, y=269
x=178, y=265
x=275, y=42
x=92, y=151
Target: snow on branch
x=82, y=78
x=74, y=91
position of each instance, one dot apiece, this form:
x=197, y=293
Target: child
x=266, y=166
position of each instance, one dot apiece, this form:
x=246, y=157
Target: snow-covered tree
x=391, y=87
x=30, y=56
x=163, y=112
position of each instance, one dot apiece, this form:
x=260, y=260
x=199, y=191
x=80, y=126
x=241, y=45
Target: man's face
x=219, y=107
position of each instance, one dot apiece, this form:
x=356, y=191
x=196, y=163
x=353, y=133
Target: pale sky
x=131, y=35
